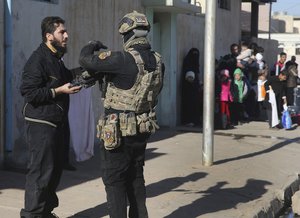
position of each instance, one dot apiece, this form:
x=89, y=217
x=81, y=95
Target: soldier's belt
x=113, y=126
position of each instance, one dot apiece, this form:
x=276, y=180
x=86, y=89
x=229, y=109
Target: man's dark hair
x=282, y=54
x=253, y=46
x=260, y=49
x=49, y=25
x=233, y=45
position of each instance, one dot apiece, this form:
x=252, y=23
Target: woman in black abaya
x=191, y=89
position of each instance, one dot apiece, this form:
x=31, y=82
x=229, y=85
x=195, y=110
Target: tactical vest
x=136, y=105
x=142, y=97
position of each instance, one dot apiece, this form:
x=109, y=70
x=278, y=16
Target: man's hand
x=67, y=89
x=284, y=100
x=238, y=64
x=97, y=45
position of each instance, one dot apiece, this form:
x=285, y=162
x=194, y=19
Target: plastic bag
x=286, y=120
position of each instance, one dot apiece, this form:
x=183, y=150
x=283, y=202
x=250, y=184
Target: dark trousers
x=290, y=96
x=262, y=113
x=66, y=142
x=123, y=177
x=269, y=115
x=45, y=168
x=237, y=110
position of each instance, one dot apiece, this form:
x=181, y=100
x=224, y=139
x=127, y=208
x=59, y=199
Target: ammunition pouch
x=147, y=122
x=108, y=130
x=128, y=124
x=113, y=126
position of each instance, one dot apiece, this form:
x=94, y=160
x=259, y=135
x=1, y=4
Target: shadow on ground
x=153, y=190
x=86, y=170
x=268, y=150
x=218, y=198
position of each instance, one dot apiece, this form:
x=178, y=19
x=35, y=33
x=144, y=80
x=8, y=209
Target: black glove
x=85, y=80
x=97, y=45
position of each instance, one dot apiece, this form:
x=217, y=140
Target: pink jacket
x=225, y=94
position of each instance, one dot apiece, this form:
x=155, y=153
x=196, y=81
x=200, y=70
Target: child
x=259, y=60
x=244, y=56
x=239, y=91
x=261, y=93
x=225, y=98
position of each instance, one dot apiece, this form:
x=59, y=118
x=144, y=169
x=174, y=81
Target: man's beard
x=60, y=49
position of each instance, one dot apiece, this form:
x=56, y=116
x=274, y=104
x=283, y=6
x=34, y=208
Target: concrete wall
x=27, y=16
x=85, y=20
x=203, y=5
x=287, y=42
x=191, y=31
x=190, y=34
x=263, y=22
x=271, y=49
x=1, y=83
x=282, y=23
x=98, y=19
x=228, y=28
x=297, y=25
x=95, y=19
x=168, y=50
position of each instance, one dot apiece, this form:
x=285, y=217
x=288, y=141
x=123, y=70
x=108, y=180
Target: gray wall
x=166, y=102
x=85, y=20
x=1, y=82
x=282, y=23
x=98, y=19
x=271, y=50
x=95, y=19
x=27, y=16
x=190, y=34
x=228, y=28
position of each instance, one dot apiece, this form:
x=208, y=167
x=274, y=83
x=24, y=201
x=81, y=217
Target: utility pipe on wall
x=8, y=75
x=2, y=93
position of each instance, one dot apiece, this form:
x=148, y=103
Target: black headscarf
x=191, y=61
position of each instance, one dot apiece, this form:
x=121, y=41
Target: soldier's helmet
x=132, y=21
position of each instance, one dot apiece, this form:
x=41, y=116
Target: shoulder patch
x=104, y=55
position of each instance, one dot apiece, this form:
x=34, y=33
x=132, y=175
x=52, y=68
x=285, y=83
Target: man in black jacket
x=45, y=88
x=278, y=85
x=134, y=80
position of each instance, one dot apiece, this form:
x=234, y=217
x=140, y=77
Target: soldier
x=134, y=80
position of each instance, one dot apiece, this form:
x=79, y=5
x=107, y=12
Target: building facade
x=176, y=26
x=286, y=30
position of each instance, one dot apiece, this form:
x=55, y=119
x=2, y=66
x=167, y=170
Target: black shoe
x=229, y=126
x=69, y=167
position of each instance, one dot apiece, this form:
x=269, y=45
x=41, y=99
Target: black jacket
x=44, y=71
x=279, y=88
x=119, y=67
